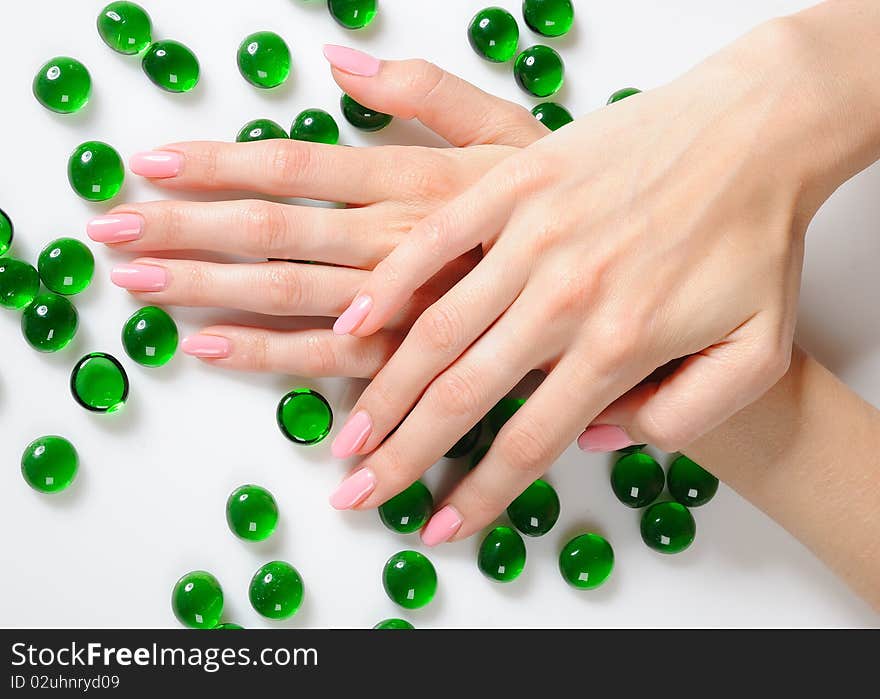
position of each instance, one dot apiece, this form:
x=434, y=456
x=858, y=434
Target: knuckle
x=527, y=172
x=441, y=328
x=456, y=392
x=197, y=284
x=774, y=360
x=258, y=352
x=287, y=160
x=265, y=224
x=523, y=446
x=427, y=79
x=484, y=505
x=285, y=291
x=209, y=164
x=320, y=356
x=667, y=435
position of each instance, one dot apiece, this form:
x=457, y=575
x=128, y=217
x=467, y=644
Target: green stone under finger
x=552, y=115
x=316, y=126
x=394, y=624
x=125, y=27
x=586, y=561
x=49, y=464
x=276, y=590
x=62, y=85
x=352, y=14
x=66, y=266
x=668, y=527
x=637, y=479
x=539, y=70
x=502, y=412
x=252, y=513
x=548, y=17
x=362, y=117
x=95, y=171
x=409, y=579
x=99, y=383
x=623, y=94
x=260, y=130
x=409, y=510
x=690, y=483
x=49, y=322
x=19, y=283
x=466, y=444
x=478, y=456
x=264, y=59
x=502, y=555
x=150, y=336
x=536, y=510
x=304, y=416
x=197, y=600
x=7, y=233
x=494, y=34
x=171, y=66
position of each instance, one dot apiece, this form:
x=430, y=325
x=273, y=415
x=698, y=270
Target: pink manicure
x=353, y=316
x=206, y=346
x=116, y=228
x=442, y=526
x=352, y=61
x=156, y=163
x=352, y=436
x=353, y=489
x=139, y=277
x=604, y=438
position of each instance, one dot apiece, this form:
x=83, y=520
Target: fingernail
x=156, y=163
x=353, y=489
x=352, y=436
x=352, y=61
x=353, y=316
x=604, y=438
x=206, y=346
x=442, y=526
x=117, y=228
x=139, y=277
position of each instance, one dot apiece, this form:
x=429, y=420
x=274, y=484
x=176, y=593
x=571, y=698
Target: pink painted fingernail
x=352, y=61
x=139, y=277
x=604, y=438
x=116, y=228
x=353, y=489
x=156, y=163
x=206, y=346
x=353, y=316
x=442, y=526
x=352, y=436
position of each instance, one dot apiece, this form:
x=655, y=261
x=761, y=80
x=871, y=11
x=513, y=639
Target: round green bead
x=316, y=126
x=171, y=66
x=19, y=283
x=536, y=510
x=229, y=626
x=276, y=590
x=362, y=117
x=623, y=94
x=125, y=27
x=586, y=561
x=150, y=336
x=548, y=17
x=690, y=483
x=197, y=600
x=63, y=85
x=409, y=510
x=49, y=322
x=49, y=464
x=304, y=416
x=95, y=171
x=637, y=479
x=552, y=115
x=409, y=579
x=99, y=383
x=668, y=527
x=539, y=70
x=502, y=412
x=478, y=455
x=260, y=130
x=66, y=266
x=251, y=513
x=502, y=555
x=352, y=14
x=494, y=34
x=466, y=444
x=394, y=624
x=264, y=59
x=631, y=449
x=7, y=233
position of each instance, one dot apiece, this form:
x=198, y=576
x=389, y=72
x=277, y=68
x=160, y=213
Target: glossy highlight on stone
x=690, y=483
x=49, y=464
x=586, y=561
x=409, y=579
x=494, y=34
x=315, y=126
x=637, y=479
x=63, y=85
x=623, y=94
x=99, y=383
x=362, y=117
x=539, y=70
x=260, y=130
x=150, y=336
x=171, y=66
x=125, y=27
x=95, y=171
x=352, y=14
x=409, y=510
x=197, y=600
x=66, y=266
x=251, y=513
x=19, y=283
x=536, y=509
x=552, y=115
x=502, y=412
x=466, y=444
x=276, y=590
x=228, y=627
x=668, y=527
x=264, y=59
x=548, y=17
x=7, y=233
x=49, y=322
x=304, y=416
x=502, y=555
x=393, y=624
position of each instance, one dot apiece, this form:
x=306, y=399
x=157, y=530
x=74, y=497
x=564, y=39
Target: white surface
x=148, y=504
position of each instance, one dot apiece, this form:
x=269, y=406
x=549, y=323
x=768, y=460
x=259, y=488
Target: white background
x=148, y=503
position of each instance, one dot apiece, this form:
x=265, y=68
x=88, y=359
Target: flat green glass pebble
x=362, y=117
x=586, y=561
x=125, y=27
x=7, y=233
x=668, y=527
x=276, y=590
x=19, y=283
x=66, y=266
x=548, y=17
x=63, y=85
x=536, y=509
x=304, y=416
x=539, y=70
x=394, y=624
x=409, y=579
x=623, y=94
x=552, y=115
x=171, y=66
x=260, y=130
x=409, y=510
x=229, y=626
x=352, y=14
x=150, y=336
x=316, y=126
x=252, y=513
x=631, y=449
x=502, y=412
x=197, y=600
x=690, y=483
x=99, y=383
x=264, y=59
x=466, y=444
x=49, y=464
x=502, y=555
x=478, y=455
x=637, y=479
x=49, y=322
x=95, y=171
x=494, y=34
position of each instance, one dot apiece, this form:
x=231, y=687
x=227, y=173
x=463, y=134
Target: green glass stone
x=197, y=600
x=409, y=579
x=276, y=590
x=49, y=322
x=493, y=34
x=229, y=626
x=478, y=455
x=690, y=483
x=304, y=416
x=502, y=412
x=125, y=27
x=260, y=130
x=49, y=464
x=7, y=233
x=586, y=561
x=63, y=85
x=95, y=171
x=264, y=59
x=352, y=14
x=66, y=266
x=623, y=94
x=394, y=624
x=316, y=126
x=631, y=449
x=668, y=527
x=150, y=336
x=552, y=115
x=536, y=510
x=539, y=70
x=362, y=117
x=99, y=383
x=171, y=66
x=466, y=444
x=637, y=479
x=502, y=555
x=252, y=513
x=409, y=510
x=548, y=17
x=19, y=284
